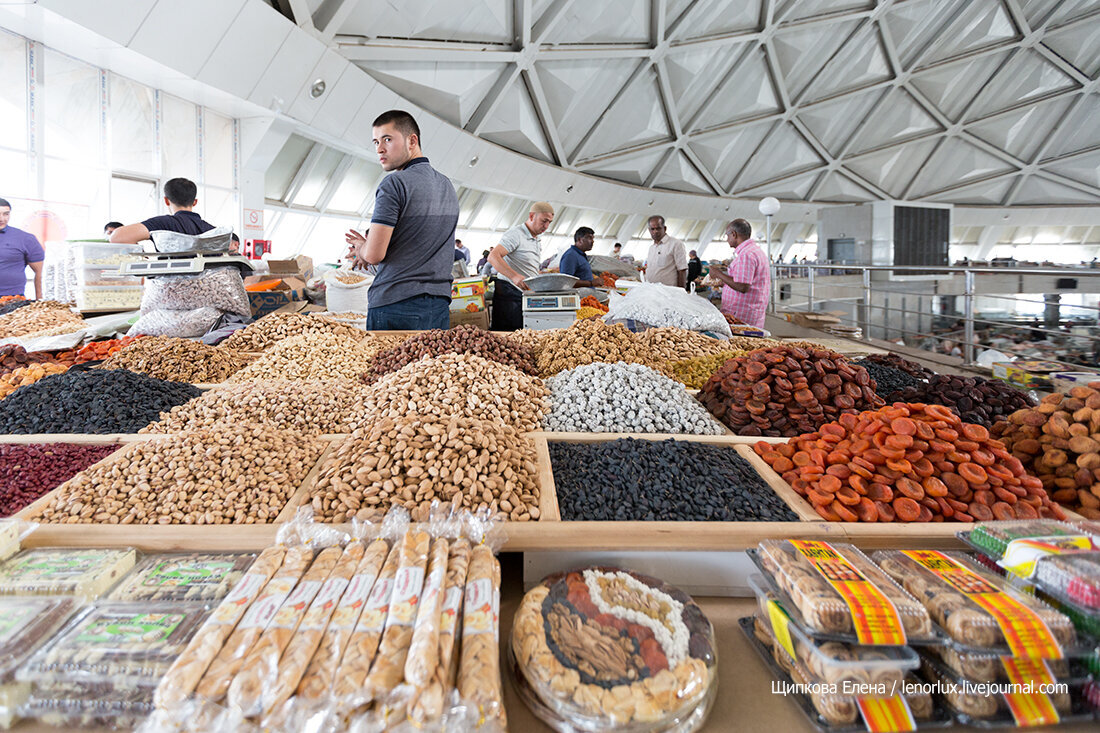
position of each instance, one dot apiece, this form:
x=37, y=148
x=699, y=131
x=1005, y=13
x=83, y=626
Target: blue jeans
x=418, y=313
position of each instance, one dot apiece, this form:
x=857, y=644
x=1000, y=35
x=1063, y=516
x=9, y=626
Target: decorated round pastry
x=614, y=650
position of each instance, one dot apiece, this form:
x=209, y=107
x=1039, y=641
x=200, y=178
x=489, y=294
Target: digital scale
x=154, y=264
x=557, y=309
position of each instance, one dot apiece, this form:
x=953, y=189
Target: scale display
x=550, y=302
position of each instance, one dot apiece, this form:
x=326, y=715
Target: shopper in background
x=180, y=196
x=412, y=233
x=746, y=286
x=515, y=259
x=695, y=269
x=234, y=244
x=483, y=260
x=461, y=250
x=574, y=261
x=617, y=251
x=667, y=260
x=18, y=251
x=110, y=227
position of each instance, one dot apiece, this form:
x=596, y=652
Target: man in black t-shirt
x=180, y=196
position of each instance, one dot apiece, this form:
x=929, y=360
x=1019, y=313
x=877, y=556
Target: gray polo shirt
x=420, y=204
x=524, y=251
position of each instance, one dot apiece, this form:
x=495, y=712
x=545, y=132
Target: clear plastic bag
x=181, y=324
x=218, y=287
x=85, y=573
x=660, y=306
x=191, y=576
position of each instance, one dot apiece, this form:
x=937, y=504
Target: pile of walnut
x=178, y=360
x=1059, y=441
x=411, y=462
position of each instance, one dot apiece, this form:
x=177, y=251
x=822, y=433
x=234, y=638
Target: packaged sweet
x=605, y=648
x=25, y=625
x=803, y=570
x=993, y=538
x=86, y=573
x=192, y=576
x=99, y=705
x=988, y=667
x=979, y=704
x=1074, y=578
x=976, y=608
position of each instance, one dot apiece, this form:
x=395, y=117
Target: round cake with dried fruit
x=613, y=649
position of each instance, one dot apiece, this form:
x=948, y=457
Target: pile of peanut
x=275, y=327
x=673, y=344
x=312, y=408
x=41, y=318
x=310, y=357
x=28, y=375
x=179, y=360
x=591, y=342
x=231, y=474
x=411, y=462
x=461, y=385
x=530, y=338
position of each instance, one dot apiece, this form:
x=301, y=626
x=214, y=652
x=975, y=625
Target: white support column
x=789, y=239
x=261, y=140
x=987, y=240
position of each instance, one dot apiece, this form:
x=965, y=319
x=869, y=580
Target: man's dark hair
x=485, y=253
x=583, y=232
x=400, y=119
x=656, y=216
x=235, y=238
x=619, y=244
x=181, y=192
x=4, y=202
x=112, y=225
x=742, y=227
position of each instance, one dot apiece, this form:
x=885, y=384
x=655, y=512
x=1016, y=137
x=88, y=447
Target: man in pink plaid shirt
x=747, y=284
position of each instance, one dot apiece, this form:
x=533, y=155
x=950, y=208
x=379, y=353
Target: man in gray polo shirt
x=411, y=235
x=516, y=258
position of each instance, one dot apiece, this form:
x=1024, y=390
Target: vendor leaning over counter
x=747, y=285
x=516, y=258
x=181, y=197
x=574, y=261
x=18, y=251
x=412, y=233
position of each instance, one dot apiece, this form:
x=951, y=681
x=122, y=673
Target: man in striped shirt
x=746, y=286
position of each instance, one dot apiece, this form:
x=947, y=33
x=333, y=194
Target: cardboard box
x=470, y=304
x=1065, y=381
x=813, y=319
x=472, y=318
x=300, y=267
x=1024, y=373
x=289, y=290
x=467, y=287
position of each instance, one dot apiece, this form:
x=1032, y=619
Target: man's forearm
x=38, y=287
x=502, y=267
x=681, y=278
x=730, y=282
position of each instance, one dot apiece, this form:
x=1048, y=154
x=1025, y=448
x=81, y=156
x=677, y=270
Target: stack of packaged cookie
x=96, y=629
x=393, y=627
x=837, y=628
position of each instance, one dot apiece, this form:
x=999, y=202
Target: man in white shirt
x=517, y=258
x=667, y=262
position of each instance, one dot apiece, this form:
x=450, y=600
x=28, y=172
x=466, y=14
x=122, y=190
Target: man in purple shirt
x=180, y=196
x=18, y=250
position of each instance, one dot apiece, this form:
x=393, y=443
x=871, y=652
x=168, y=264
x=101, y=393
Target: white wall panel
x=185, y=35
x=242, y=56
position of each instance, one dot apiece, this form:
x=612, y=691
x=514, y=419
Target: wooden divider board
x=797, y=504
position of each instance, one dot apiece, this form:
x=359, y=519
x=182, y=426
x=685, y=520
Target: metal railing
x=947, y=300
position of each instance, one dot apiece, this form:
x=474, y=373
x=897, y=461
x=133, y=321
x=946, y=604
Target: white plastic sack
x=218, y=287
x=178, y=323
x=663, y=306
x=347, y=297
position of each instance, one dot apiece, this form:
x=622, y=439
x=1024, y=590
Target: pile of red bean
x=27, y=472
x=786, y=391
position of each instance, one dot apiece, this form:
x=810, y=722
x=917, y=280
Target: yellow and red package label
x=886, y=714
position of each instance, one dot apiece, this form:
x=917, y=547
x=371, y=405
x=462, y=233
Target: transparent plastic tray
x=130, y=644
x=84, y=572
x=821, y=608
x=993, y=537
x=25, y=625
x=83, y=706
x=190, y=576
x=1073, y=578
x=966, y=623
x=835, y=713
x=985, y=667
x=581, y=635
x=981, y=709
x=837, y=662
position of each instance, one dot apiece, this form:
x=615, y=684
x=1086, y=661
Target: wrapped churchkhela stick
x=261, y=666
x=189, y=667
x=423, y=657
x=479, y=665
x=230, y=659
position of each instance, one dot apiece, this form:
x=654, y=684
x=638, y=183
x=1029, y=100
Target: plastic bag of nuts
x=181, y=323
x=218, y=287
x=787, y=391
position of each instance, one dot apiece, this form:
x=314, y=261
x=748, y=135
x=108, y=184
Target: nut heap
x=349, y=278
x=461, y=385
x=91, y=402
x=228, y=475
x=694, y=373
x=460, y=340
x=911, y=368
x=530, y=338
x=412, y=462
x=624, y=398
x=311, y=408
x=178, y=360
x=275, y=327
x=909, y=463
x=28, y=472
x=786, y=391
x=13, y=305
x=673, y=344
x=975, y=399
x=1059, y=441
x=42, y=317
x=27, y=375
x=311, y=357
x=888, y=379
x=590, y=342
